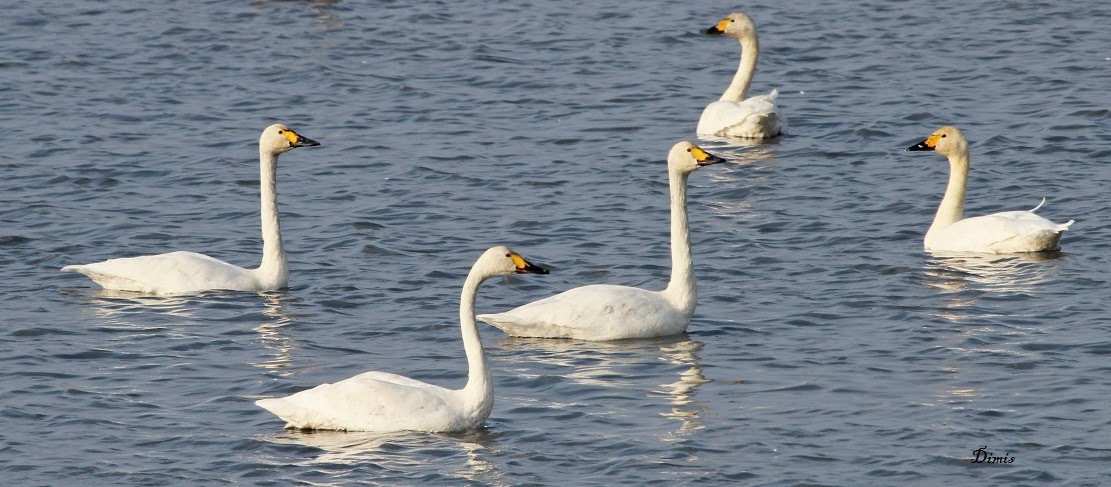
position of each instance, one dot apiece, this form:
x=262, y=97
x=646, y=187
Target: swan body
x=190, y=272
x=384, y=403
x=608, y=312
x=997, y=233
x=734, y=115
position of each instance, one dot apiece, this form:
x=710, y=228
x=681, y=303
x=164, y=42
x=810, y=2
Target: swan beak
x=524, y=267
x=926, y=145
x=705, y=158
x=296, y=140
x=305, y=142
x=717, y=29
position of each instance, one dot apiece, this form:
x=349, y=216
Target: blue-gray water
x=827, y=348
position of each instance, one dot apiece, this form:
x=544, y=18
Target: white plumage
x=609, y=312
x=997, y=233
x=189, y=272
x=734, y=115
x=384, y=402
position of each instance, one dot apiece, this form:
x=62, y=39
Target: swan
x=389, y=403
x=998, y=233
x=733, y=115
x=190, y=272
x=607, y=312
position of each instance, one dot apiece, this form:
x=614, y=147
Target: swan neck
x=952, y=204
x=479, y=391
x=738, y=89
x=274, y=270
x=682, y=289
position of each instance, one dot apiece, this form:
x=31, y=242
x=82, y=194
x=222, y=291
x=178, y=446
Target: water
x=827, y=348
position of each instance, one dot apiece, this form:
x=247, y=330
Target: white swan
x=608, y=312
x=189, y=272
x=383, y=402
x=998, y=233
x=733, y=115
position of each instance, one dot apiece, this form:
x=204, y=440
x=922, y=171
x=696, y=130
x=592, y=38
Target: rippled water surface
x=827, y=348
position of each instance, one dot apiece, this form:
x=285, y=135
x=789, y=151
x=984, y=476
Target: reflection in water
x=719, y=143
x=322, y=9
x=393, y=451
x=110, y=304
x=116, y=309
x=608, y=364
x=270, y=335
x=737, y=176
x=681, y=392
x=956, y=273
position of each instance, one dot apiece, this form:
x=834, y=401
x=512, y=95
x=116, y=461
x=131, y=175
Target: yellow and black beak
x=926, y=145
x=524, y=267
x=296, y=140
x=704, y=158
x=717, y=29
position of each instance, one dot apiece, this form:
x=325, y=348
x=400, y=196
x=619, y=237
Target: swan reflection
x=681, y=393
x=1002, y=273
x=270, y=333
x=400, y=451
x=619, y=365
x=964, y=277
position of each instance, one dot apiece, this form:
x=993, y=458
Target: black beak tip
x=307, y=142
x=711, y=30
x=711, y=159
x=921, y=146
x=532, y=269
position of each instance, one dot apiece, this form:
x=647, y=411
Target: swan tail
x=1039, y=205
x=1065, y=226
x=282, y=409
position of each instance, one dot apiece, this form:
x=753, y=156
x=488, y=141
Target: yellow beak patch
x=931, y=141
x=518, y=261
x=721, y=25
x=699, y=154
x=291, y=135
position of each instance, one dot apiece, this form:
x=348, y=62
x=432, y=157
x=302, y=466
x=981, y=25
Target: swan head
x=500, y=261
x=736, y=25
x=278, y=138
x=686, y=157
x=946, y=141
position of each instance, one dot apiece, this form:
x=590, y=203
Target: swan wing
x=597, y=312
x=755, y=117
x=174, y=272
x=1005, y=232
x=373, y=401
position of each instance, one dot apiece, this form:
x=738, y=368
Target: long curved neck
x=738, y=89
x=682, y=289
x=480, y=382
x=952, y=205
x=274, y=268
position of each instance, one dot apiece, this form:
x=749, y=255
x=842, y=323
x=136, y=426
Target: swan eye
x=280, y=132
x=509, y=255
x=688, y=149
x=943, y=136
